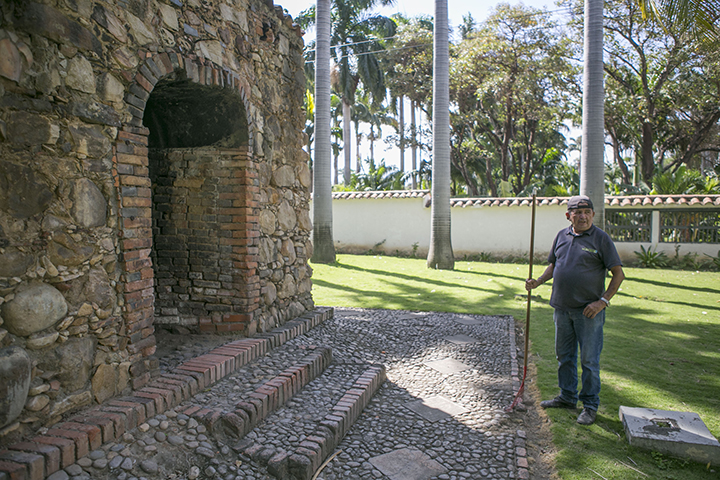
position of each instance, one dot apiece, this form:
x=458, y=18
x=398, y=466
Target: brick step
x=234, y=424
x=301, y=461
x=66, y=442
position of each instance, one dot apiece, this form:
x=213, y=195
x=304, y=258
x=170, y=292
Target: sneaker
x=556, y=402
x=587, y=417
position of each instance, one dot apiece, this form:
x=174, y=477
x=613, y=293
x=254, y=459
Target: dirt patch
x=541, y=451
x=176, y=345
x=540, y=448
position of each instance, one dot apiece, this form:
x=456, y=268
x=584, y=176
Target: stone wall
x=90, y=92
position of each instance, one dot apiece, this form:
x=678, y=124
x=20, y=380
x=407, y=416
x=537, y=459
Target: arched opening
x=181, y=114
x=197, y=133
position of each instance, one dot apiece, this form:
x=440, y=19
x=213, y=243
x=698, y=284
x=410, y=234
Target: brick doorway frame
x=132, y=180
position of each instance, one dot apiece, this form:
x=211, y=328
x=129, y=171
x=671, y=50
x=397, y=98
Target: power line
x=515, y=17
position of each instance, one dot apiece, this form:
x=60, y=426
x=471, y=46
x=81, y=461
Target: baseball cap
x=580, y=201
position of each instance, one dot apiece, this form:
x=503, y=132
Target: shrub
x=715, y=260
x=649, y=259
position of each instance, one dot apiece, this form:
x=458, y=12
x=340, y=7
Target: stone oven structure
x=151, y=172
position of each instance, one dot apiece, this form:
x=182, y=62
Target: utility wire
x=350, y=44
x=386, y=50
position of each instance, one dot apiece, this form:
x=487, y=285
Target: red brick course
x=64, y=445
x=79, y=438
x=34, y=464
x=317, y=446
x=50, y=454
x=13, y=471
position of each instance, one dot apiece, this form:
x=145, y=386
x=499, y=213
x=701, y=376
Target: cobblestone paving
x=484, y=442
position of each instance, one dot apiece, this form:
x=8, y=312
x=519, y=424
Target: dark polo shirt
x=581, y=264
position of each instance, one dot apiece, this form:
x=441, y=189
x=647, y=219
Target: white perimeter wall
x=395, y=224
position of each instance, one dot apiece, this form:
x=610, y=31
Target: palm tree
x=336, y=133
x=379, y=116
x=360, y=113
x=592, y=166
x=323, y=245
x=413, y=142
x=356, y=37
x=699, y=18
x=441, y=254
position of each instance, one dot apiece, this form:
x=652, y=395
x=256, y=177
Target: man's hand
x=531, y=283
x=594, y=308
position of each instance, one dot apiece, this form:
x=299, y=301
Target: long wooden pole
x=527, y=311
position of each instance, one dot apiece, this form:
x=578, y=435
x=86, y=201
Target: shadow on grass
x=674, y=302
x=675, y=285
x=409, y=297
x=439, y=283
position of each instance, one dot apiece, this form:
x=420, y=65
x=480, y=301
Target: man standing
x=579, y=260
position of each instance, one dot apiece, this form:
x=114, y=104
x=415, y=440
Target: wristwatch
x=607, y=302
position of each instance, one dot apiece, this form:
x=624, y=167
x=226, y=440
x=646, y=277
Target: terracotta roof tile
x=612, y=201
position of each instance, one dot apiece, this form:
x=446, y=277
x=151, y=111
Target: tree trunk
x=648, y=161
x=489, y=178
x=358, y=138
x=413, y=144
x=402, y=134
x=618, y=158
x=323, y=245
x=347, y=134
x=337, y=172
x=592, y=171
x=441, y=255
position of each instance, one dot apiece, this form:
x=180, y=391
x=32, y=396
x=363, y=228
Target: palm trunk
x=335, y=164
x=323, y=245
x=592, y=171
x=358, y=139
x=441, y=255
x=413, y=143
x=402, y=133
x=347, y=134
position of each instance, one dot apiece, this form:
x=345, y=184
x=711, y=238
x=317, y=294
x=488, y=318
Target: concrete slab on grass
x=447, y=366
x=680, y=434
x=407, y=464
x=435, y=408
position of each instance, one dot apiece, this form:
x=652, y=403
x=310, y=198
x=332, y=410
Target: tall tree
x=413, y=143
x=663, y=97
x=409, y=67
x=440, y=254
x=336, y=133
x=514, y=87
x=592, y=164
x=356, y=37
x=323, y=245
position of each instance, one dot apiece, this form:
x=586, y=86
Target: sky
x=479, y=9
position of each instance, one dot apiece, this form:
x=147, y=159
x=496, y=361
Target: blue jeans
x=573, y=329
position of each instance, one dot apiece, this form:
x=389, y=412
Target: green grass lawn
x=662, y=346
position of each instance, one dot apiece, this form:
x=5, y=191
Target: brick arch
x=131, y=171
